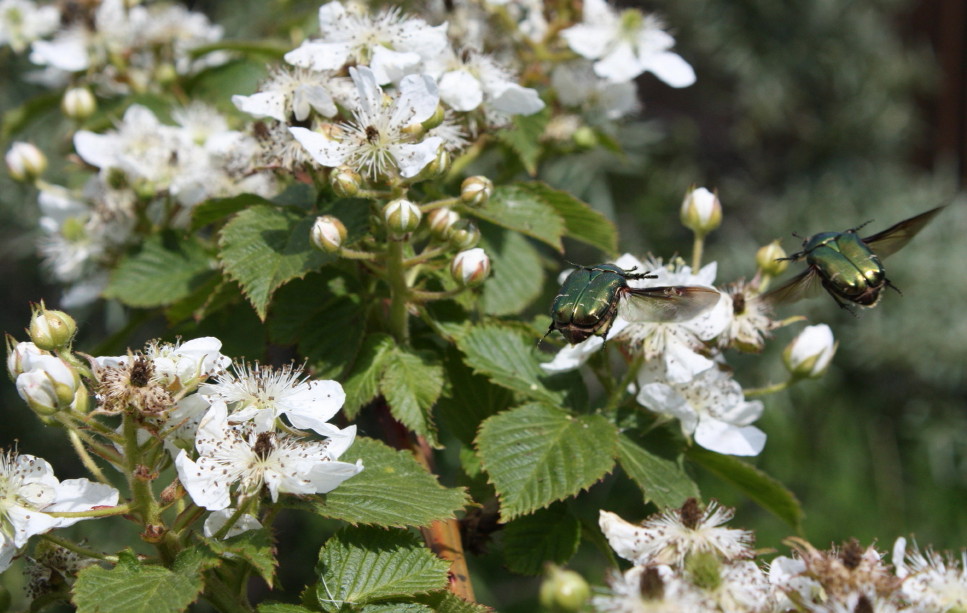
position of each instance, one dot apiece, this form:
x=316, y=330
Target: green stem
x=121, y=509
x=424, y=296
x=396, y=271
x=187, y=517
x=352, y=254
x=426, y=254
x=439, y=204
x=697, y=246
x=222, y=596
x=241, y=510
x=72, y=546
x=86, y=458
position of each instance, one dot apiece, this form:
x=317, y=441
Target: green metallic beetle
x=588, y=301
x=847, y=266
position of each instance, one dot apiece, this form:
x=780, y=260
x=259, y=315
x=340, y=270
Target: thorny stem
x=222, y=596
x=86, y=458
x=121, y=509
x=396, y=272
x=144, y=504
x=352, y=254
x=76, y=548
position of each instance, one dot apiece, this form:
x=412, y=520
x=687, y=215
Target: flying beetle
x=588, y=301
x=847, y=266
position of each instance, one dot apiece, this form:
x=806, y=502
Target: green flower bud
x=345, y=181
x=470, y=267
x=328, y=233
x=441, y=222
x=78, y=103
x=769, y=259
x=705, y=569
x=401, y=217
x=49, y=386
x=585, y=137
x=435, y=119
x=701, y=211
x=563, y=590
x=440, y=164
x=809, y=354
x=476, y=191
x=51, y=330
x=25, y=161
x=464, y=235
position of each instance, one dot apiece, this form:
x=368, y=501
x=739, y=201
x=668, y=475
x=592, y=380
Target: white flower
x=710, y=407
x=376, y=141
x=290, y=94
x=25, y=161
x=473, y=78
x=49, y=384
x=392, y=44
x=627, y=45
x=29, y=491
x=931, y=581
x=789, y=577
x=263, y=394
x=22, y=22
x=751, y=322
x=217, y=519
x=230, y=454
x=22, y=356
x=809, y=354
x=673, y=535
x=644, y=589
x=183, y=365
x=577, y=85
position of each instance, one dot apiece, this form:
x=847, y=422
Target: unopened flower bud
x=563, y=590
x=20, y=356
x=25, y=161
x=328, y=233
x=585, y=137
x=401, y=217
x=441, y=222
x=704, y=569
x=769, y=259
x=440, y=164
x=49, y=386
x=701, y=211
x=165, y=73
x=78, y=103
x=464, y=235
x=50, y=329
x=345, y=181
x=476, y=191
x=470, y=267
x=809, y=354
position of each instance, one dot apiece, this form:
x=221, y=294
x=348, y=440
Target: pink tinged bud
x=328, y=233
x=401, y=217
x=809, y=354
x=78, y=103
x=441, y=222
x=768, y=259
x=476, y=191
x=701, y=211
x=25, y=161
x=50, y=329
x=471, y=267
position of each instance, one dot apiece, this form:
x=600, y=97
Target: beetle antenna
x=893, y=287
x=549, y=330
x=798, y=235
x=575, y=265
x=861, y=226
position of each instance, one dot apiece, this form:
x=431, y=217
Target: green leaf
x=446, y=601
x=392, y=490
x=264, y=247
x=211, y=84
x=279, y=607
x=536, y=454
x=324, y=320
x=254, y=546
x=582, y=222
x=364, y=565
x=517, y=208
x=507, y=356
x=471, y=399
x=517, y=277
x=767, y=492
x=165, y=269
x=525, y=138
x=17, y=119
x=396, y=607
x=363, y=382
x=411, y=384
x=217, y=209
x=132, y=587
x=663, y=482
x=548, y=535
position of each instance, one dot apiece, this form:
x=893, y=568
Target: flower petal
x=721, y=437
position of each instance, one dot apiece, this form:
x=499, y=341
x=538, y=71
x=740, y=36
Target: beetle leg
x=893, y=287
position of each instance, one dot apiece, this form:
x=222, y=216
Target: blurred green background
x=807, y=116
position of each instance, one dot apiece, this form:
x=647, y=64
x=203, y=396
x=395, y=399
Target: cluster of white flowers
x=683, y=373
x=90, y=39
x=685, y=560
x=147, y=171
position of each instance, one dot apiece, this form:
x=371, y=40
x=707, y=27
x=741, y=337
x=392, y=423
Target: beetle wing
x=804, y=285
x=896, y=237
x=667, y=304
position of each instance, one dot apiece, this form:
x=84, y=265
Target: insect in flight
x=847, y=266
x=588, y=301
